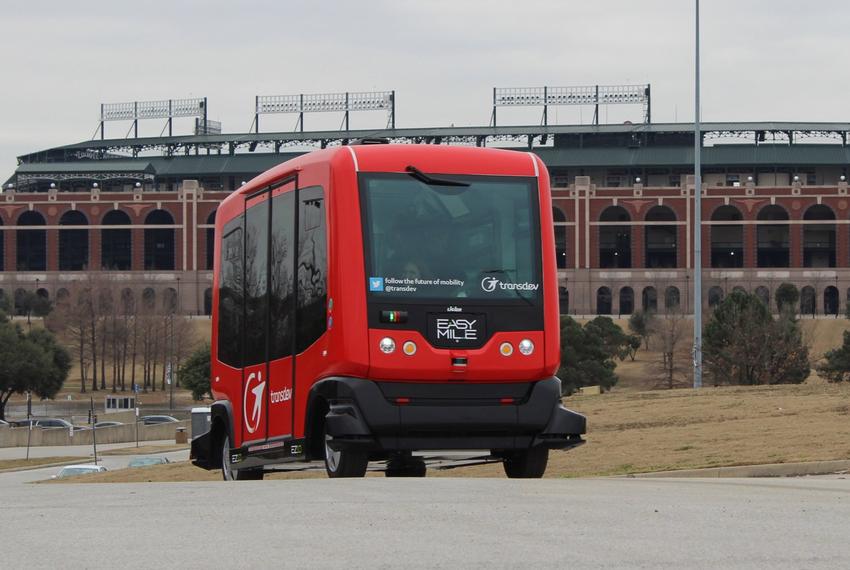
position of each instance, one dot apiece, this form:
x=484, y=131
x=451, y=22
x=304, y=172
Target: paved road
x=430, y=523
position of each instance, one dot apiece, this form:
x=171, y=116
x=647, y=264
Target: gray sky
x=762, y=59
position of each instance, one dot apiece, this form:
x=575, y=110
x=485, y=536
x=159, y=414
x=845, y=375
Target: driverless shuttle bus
x=375, y=300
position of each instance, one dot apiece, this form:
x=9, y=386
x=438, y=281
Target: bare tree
x=670, y=332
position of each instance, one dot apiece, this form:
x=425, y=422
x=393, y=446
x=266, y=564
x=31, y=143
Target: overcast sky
x=762, y=59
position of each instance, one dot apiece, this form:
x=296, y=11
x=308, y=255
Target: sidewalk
x=70, y=450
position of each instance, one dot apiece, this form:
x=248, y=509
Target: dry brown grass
x=34, y=462
x=145, y=449
x=635, y=432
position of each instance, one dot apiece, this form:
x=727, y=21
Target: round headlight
x=409, y=348
x=387, y=345
x=526, y=347
x=506, y=349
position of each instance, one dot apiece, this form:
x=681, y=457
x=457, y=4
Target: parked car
x=73, y=470
x=47, y=423
x=107, y=424
x=145, y=461
x=153, y=420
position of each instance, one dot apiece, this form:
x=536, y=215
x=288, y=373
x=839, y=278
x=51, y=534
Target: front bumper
x=398, y=416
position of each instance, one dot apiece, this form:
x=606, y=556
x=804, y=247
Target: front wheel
x=344, y=462
x=527, y=464
x=228, y=473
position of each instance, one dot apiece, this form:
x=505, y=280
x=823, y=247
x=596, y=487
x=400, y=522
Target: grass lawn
x=636, y=432
x=36, y=461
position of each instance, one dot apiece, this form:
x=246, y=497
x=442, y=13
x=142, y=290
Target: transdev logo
x=490, y=284
x=376, y=284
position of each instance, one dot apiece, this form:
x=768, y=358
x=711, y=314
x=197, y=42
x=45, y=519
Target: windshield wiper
x=430, y=180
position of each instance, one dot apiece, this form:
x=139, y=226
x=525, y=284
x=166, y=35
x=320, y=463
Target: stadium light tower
x=697, y=219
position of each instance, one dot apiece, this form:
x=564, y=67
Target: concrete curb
x=766, y=470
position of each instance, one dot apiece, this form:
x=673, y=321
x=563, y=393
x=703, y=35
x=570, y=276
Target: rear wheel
x=228, y=473
x=527, y=464
x=344, y=462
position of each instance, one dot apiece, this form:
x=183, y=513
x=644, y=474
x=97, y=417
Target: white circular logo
x=489, y=284
x=255, y=386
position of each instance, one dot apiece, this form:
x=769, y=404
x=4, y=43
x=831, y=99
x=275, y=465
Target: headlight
x=526, y=347
x=387, y=345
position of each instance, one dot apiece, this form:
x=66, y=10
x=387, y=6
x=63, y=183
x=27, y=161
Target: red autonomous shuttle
x=374, y=300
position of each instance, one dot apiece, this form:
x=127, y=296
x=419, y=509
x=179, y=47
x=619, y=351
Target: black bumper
x=393, y=416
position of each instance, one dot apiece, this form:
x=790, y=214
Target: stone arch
x=116, y=245
x=73, y=243
x=672, y=299
x=819, y=239
x=715, y=296
x=210, y=239
x=808, y=305
x=660, y=241
x=603, y=301
x=773, y=240
x=615, y=241
x=31, y=254
x=627, y=301
x=727, y=240
x=159, y=242
x=649, y=299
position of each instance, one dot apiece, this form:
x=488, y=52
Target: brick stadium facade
x=163, y=240
x=773, y=212
x=627, y=248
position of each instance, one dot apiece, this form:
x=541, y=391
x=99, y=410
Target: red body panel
x=349, y=347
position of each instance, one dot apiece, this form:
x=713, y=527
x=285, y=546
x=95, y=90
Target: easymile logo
x=489, y=284
x=457, y=329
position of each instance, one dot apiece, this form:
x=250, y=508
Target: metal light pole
x=697, y=219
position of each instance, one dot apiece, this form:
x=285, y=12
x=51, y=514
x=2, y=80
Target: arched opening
x=159, y=242
x=727, y=240
x=560, y=237
x=649, y=299
x=715, y=296
x=43, y=293
x=128, y=301
x=763, y=293
x=169, y=301
x=20, y=301
x=627, y=301
x=671, y=299
x=208, y=301
x=73, y=244
x=807, y=300
x=603, y=301
x=31, y=243
x=738, y=289
x=148, y=300
x=773, y=249
x=210, y=240
x=116, y=246
x=819, y=239
x=660, y=242
x=830, y=301
x=615, y=241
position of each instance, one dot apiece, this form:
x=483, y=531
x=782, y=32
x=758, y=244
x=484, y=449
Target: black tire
x=228, y=473
x=406, y=468
x=345, y=462
x=528, y=464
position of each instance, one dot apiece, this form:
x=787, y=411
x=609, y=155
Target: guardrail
x=17, y=437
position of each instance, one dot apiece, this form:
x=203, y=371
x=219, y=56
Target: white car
x=73, y=470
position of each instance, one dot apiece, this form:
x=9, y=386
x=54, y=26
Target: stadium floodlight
x=160, y=109
x=325, y=103
x=842, y=178
x=580, y=95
